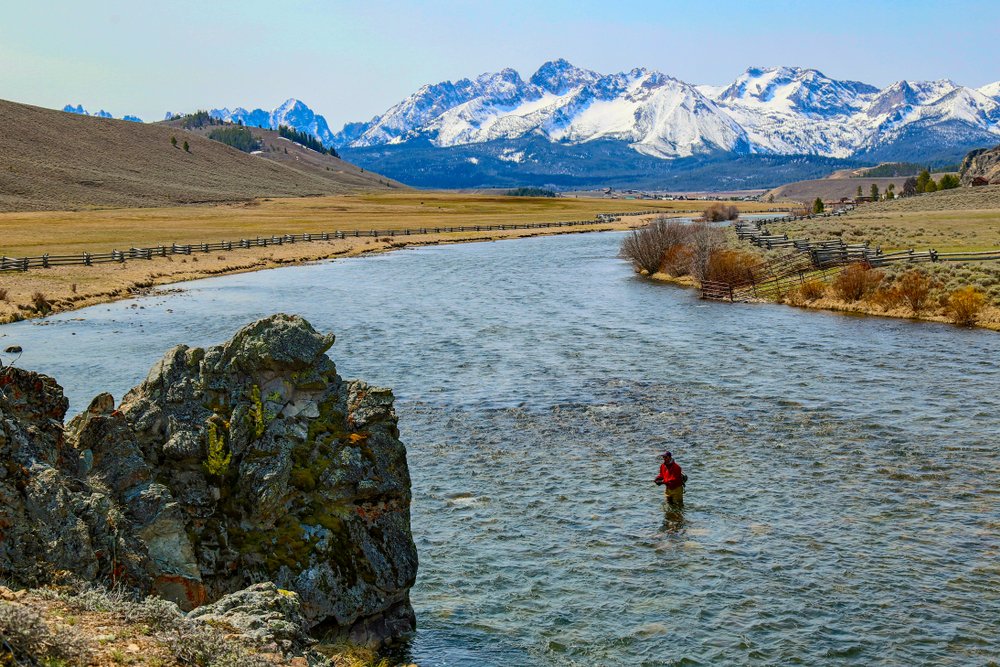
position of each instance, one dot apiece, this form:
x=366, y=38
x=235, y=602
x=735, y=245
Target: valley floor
x=42, y=291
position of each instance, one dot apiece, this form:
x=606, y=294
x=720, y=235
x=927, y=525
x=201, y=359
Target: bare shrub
x=964, y=306
x=3, y=293
x=196, y=644
x=886, y=298
x=72, y=288
x=914, y=289
x=40, y=303
x=812, y=290
x=720, y=213
x=731, y=266
x=29, y=640
x=703, y=240
x=646, y=247
x=856, y=281
x=677, y=260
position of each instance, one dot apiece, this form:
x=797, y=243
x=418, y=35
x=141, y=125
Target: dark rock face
x=248, y=462
x=981, y=167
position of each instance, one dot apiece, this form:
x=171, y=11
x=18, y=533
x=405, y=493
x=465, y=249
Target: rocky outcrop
x=981, y=167
x=252, y=461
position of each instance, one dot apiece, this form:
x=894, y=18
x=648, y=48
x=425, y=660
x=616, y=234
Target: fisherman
x=672, y=480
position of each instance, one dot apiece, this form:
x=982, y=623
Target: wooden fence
x=46, y=261
x=813, y=260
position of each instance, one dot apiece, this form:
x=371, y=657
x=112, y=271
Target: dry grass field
x=68, y=288
x=959, y=220
x=51, y=160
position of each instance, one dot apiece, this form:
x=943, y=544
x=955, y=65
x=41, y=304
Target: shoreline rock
x=248, y=462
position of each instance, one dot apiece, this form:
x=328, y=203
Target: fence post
x=45, y=260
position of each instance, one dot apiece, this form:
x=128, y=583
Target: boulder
x=251, y=461
x=981, y=167
x=263, y=614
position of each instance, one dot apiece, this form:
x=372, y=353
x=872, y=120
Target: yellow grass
x=72, y=287
x=72, y=232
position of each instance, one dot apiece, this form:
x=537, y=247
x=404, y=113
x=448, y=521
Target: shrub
x=3, y=294
x=28, y=640
x=914, y=289
x=964, y=306
x=812, y=289
x=173, y=141
x=41, y=304
x=730, y=266
x=647, y=247
x=187, y=148
x=720, y=213
x=886, y=298
x=817, y=206
x=677, y=260
x=703, y=240
x=856, y=281
x=217, y=461
x=948, y=182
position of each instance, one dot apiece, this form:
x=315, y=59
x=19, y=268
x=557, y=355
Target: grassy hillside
x=51, y=160
x=840, y=184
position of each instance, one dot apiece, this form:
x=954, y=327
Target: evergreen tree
x=875, y=196
x=931, y=186
x=818, y=205
x=890, y=191
x=173, y=141
x=923, y=178
x=187, y=149
x=859, y=195
x=948, y=181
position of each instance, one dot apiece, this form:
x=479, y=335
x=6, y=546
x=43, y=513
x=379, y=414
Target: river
x=844, y=495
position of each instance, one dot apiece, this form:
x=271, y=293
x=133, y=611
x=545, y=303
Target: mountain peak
x=560, y=76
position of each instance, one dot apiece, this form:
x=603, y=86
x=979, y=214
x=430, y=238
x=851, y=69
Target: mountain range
x=79, y=110
x=571, y=127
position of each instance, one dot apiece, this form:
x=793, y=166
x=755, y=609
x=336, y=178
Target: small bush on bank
x=677, y=261
x=41, y=303
x=703, y=240
x=914, y=289
x=856, y=282
x=812, y=289
x=647, y=247
x=964, y=306
x=731, y=266
x=885, y=297
x=720, y=213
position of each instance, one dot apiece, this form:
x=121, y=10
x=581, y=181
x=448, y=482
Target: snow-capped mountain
x=991, y=90
x=765, y=111
x=78, y=109
x=655, y=114
x=292, y=113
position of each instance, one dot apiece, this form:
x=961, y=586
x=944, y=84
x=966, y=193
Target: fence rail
x=813, y=260
x=46, y=261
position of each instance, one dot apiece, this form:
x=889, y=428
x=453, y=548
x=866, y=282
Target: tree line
x=305, y=139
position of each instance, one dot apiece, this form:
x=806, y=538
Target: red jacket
x=670, y=475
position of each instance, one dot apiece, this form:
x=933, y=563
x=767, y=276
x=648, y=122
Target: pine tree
x=818, y=205
x=931, y=186
x=173, y=141
x=875, y=196
x=923, y=178
x=187, y=149
x=859, y=195
x=890, y=191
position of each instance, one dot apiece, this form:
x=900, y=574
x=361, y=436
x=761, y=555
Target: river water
x=844, y=495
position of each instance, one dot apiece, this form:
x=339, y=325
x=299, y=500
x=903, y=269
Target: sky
x=353, y=60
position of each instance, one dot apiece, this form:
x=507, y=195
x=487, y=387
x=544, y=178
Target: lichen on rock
x=251, y=461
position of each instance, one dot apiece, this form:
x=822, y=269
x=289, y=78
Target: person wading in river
x=672, y=479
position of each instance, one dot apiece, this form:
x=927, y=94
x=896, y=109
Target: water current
x=844, y=496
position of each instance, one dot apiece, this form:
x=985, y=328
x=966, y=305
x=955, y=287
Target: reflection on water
x=843, y=501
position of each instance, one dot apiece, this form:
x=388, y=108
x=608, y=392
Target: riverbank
x=70, y=288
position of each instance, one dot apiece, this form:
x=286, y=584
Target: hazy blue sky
x=352, y=60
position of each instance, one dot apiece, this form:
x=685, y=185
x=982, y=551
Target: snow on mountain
x=991, y=90
x=766, y=110
x=292, y=113
x=656, y=114
x=78, y=109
